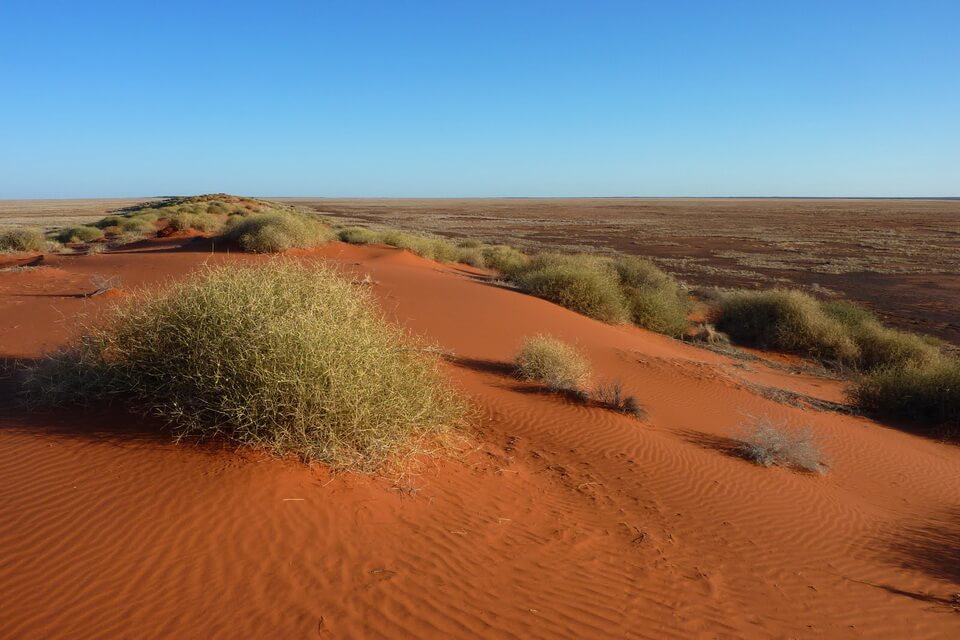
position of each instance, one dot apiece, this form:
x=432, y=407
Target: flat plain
x=899, y=257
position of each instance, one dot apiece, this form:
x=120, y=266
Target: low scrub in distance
x=283, y=356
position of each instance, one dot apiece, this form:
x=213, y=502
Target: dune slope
x=563, y=520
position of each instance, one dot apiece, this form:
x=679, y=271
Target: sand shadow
x=198, y=244
x=105, y=422
x=931, y=546
x=496, y=367
x=724, y=444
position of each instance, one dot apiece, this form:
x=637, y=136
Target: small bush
x=552, y=363
x=79, y=234
x=787, y=320
x=472, y=256
x=358, y=235
x=612, y=396
x=275, y=232
x=289, y=357
x=108, y=222
x=23, y=240
x=583, y=283
x=137, y=226
x=505, y=259
x=657, y=301
x=769, y=444
x=923, y=393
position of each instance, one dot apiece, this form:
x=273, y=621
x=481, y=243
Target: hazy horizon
x=438, y=99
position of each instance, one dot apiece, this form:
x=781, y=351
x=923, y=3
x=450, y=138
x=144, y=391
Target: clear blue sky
x=480, y=98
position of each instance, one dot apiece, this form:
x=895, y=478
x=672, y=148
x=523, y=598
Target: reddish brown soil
x=564, y=520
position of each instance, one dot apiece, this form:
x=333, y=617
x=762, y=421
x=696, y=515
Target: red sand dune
x=566, y=521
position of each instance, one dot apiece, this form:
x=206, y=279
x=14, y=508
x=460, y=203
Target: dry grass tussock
x=769, y=444
x=291, y=358
x=23, y=240
x=553, y=363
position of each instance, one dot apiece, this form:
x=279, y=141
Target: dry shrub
x=275, y=232
x=776, y=444
x=23, y=240
x=553, y=363
x=284, y=356
x=612, y=396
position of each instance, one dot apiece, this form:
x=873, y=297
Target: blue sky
x=480, y=98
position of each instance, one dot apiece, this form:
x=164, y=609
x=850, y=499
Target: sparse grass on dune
x=283, y=356
x=553, y=363
x=23, y=240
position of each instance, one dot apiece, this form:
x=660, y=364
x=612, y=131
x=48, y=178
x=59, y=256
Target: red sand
x=565, y=521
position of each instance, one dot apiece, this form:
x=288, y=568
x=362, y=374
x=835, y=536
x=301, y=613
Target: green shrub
x=769, y=444
x=137, y=226
x=472, y=256
x=661, y=310
x=505, y=259
x=786, y=320
x=284, y=356
x=583, y=283
x=429, y=247
x=198, y=221
x=657, y=301
x=927, y=394
x=882, y=347
x=79, y=234
x=275, y=232
x=108, y=222
x=358, y=235
x=553, y=363
x=23, y=240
